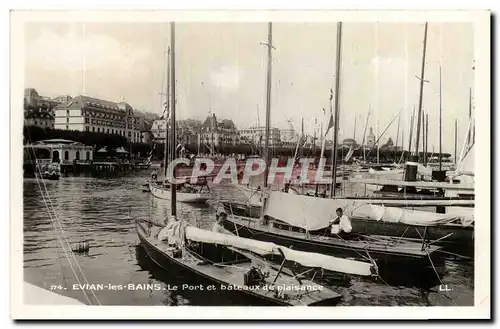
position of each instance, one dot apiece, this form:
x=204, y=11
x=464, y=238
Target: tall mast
x=470, y=113
x=364, y=134
x=354, y=134
x=268, y=98
x=426, y=138
x=376, y=144
x=172, y=116
x=456, y=128
x=412, y=123
x=337, y=103
x=421, y=78
x=397, y=135
x=166, y=113
x=440, y=120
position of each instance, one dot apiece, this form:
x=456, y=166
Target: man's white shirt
x=343, y=226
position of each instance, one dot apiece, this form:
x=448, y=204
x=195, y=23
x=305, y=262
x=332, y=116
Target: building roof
x=57, y=141
x=91, y=101
x=349, y=141
x=227, y=124
x=210, y=122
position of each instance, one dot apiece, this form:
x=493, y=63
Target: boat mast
x=440, y=120
x=426, y=138
x=167, y=108
x=470, y=113
x=421, y=78
x=412, y=123
x=268, y=98
x=456, y=127
x=354, y=134
x=397, y=135
x=376, y=144
x=173, y=187
x=364, y=134
x=337, y=103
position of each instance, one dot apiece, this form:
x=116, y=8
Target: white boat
x=193, y=196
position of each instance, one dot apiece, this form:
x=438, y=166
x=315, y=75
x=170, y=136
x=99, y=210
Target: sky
x=221, y=67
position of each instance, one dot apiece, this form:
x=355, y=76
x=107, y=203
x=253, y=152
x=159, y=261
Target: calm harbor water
x=101, y=212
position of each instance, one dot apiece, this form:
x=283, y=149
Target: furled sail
x=267, y=248
x=402, y=215
x=314, y=213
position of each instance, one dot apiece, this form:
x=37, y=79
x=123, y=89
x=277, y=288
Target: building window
x=67, y=120
x=77, y=155
x=93, y=129
x=87, y=128
x=67, y=113
x=108, y=131
x=36, y=122
x=87, y=155
x=67, y=127
x=82, y=112
x=66, y=155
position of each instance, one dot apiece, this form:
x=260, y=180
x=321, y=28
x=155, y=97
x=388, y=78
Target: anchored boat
x=187, y=193
x=233, y=264
x=303, y=224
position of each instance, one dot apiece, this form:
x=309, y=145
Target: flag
x=331, y=93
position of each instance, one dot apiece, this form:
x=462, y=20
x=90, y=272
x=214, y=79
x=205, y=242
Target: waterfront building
x=187, y=131
x=289, y=135
x=256, y=135
x=39, y=110
x=217, y=133
x=61, y=151
x=83, y=113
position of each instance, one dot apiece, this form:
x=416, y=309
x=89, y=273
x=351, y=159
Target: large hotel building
x=95, y=115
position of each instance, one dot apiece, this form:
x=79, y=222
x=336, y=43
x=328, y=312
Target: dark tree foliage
x=97, y=140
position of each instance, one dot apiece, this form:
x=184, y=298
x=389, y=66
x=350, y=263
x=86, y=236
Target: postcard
x=211, y=164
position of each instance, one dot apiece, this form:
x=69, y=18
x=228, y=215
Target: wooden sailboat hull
x=382, y=253
x=462, y=236
x=207, y=274
x=165, y=194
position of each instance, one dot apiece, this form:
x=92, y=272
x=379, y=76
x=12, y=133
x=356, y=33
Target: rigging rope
x=38, y=170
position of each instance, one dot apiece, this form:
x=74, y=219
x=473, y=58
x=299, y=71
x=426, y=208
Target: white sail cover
x=314, y=213
x=262, y=248
x=200, y=235
x=302, y=211
x=401, y=215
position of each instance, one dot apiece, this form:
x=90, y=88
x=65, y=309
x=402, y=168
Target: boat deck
x=286, y=289
x=373, y=243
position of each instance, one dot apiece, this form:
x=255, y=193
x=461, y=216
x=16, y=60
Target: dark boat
x=301, y=224
x=456, y=233
x=229, y=268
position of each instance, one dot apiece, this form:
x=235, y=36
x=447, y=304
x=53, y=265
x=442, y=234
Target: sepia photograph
x=319, y=159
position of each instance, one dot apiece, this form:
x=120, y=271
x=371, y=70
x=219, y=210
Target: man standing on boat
x=341, y=225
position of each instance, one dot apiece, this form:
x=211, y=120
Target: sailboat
x=186, y=192
x=233, y=263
